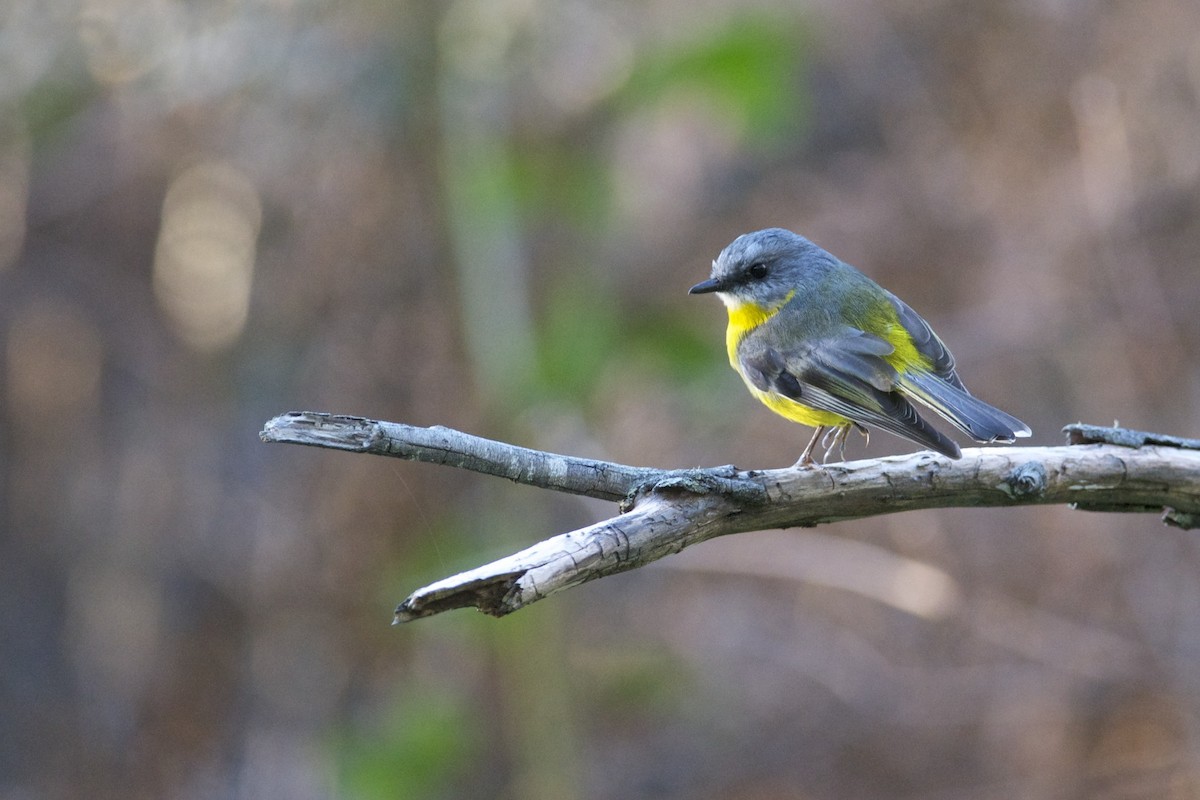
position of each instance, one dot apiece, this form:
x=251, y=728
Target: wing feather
x=844, y=375
x=928, y=344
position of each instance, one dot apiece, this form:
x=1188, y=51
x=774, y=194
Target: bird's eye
x=757, y=270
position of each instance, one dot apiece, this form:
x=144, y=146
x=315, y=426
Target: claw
x=836, y=442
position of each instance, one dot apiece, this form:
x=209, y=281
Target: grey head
x=763, y=267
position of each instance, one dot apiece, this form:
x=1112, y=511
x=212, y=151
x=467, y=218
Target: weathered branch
x=1103, y=469
x=603, y=480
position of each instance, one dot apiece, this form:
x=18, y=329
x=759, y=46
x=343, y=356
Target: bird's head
x=762, y=268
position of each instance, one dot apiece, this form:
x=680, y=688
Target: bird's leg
x=806, y=459
x=837, y=442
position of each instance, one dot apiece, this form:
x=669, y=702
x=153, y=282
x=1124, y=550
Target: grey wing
x=927, y=343
x=846, y=375
x=942, y=390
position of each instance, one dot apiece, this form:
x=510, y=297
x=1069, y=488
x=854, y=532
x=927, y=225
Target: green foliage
x=635, y=682
x=680, y=347
x=581, y=330
x=428, y=742
x=555, y=180
x=585, y=327
x=49, y=108
x=751, y=68
x=437, y=540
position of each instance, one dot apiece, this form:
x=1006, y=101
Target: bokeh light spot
x=204, y=261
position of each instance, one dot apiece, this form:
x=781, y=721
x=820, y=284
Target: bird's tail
x=977, y=419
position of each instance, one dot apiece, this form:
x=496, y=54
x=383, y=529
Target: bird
x=821, y=344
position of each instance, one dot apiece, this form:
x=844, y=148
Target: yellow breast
x=745, y=317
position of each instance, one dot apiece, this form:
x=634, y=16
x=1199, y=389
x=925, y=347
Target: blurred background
x=486, y=214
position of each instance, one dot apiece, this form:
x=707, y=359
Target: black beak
x=704, y=287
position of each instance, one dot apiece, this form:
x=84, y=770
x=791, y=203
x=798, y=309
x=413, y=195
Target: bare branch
x=603, y=480
x=668, y=510
x=1095, y=434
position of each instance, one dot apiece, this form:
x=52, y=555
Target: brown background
x=486, y=215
